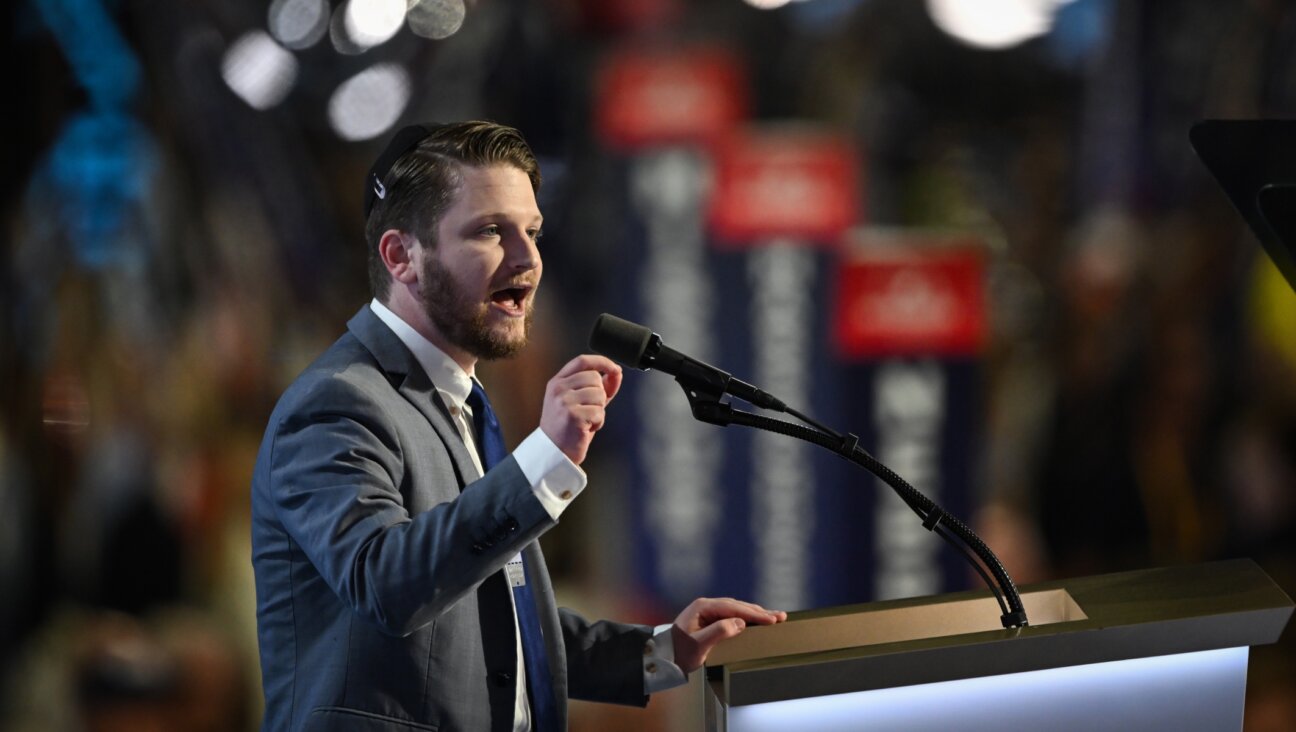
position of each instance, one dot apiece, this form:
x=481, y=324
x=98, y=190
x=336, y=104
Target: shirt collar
x=448, y=377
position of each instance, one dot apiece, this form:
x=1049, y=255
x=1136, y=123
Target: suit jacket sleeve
x=604, y=659
x=341, y=481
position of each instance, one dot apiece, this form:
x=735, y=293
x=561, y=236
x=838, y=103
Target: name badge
x=516, y=575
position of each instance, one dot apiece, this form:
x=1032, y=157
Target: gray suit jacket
x=381, y=599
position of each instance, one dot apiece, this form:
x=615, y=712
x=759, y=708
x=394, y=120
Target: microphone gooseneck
x=636, y=346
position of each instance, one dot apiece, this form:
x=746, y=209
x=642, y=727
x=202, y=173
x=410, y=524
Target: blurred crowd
x=173, y=258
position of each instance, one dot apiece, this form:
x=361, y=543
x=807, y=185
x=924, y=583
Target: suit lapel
x=413, y=383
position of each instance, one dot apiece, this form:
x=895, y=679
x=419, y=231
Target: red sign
x=784, y=182
x=669, y=96
x=919, y=300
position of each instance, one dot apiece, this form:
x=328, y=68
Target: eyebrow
x=482, y=218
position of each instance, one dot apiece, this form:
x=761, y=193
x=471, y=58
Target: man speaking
x=400, y=585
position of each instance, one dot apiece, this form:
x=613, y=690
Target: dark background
x=172, y=257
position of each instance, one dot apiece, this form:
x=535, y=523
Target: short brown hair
x=423, y=182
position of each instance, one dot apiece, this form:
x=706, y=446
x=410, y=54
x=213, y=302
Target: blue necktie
x=544, y=711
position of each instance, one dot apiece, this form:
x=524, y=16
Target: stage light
x=994, y=24
x=767, y=4
x=298, y=24
x=259, y=70
x=369, y=103
x=436, y=19
x=371, y=22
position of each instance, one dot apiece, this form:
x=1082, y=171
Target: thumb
x=712, y=634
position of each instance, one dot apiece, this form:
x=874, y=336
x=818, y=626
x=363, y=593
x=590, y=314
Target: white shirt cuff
x=555, y=479
x=660, y=671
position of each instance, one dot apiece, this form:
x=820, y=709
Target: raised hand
x=575, y=400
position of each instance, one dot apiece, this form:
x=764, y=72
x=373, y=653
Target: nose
x=523, y=254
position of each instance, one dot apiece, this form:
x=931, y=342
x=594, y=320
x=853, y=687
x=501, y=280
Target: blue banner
x=737, y=512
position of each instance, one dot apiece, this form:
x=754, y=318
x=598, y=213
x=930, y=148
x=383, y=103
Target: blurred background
x=972, y=232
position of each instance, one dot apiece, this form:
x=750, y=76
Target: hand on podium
x=707, y=621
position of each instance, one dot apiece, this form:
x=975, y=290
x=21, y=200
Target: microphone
x=636, y=346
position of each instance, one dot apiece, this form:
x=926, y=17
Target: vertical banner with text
x=909, y=326
x=662, y=110
x=742, y=246
x=784, y=196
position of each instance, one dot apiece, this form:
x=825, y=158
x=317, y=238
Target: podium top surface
x=1138, y=614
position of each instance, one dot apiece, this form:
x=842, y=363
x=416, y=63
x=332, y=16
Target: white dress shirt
x=554, y=478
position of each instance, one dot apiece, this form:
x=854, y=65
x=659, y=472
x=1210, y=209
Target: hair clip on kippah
x=406, y=139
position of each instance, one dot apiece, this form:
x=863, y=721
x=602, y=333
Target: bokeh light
x=993, y=24
x=372, y=22
x=259, y=70
x=436, y=19
x=298, y=24
x=369, y=103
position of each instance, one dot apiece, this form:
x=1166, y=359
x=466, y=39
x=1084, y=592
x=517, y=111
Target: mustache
x=522, y=281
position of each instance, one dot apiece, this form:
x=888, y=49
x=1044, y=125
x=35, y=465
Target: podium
x=1156, y=649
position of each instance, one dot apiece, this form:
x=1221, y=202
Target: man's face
x=479, y=278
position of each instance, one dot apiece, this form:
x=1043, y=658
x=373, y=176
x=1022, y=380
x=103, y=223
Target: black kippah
x=401, y=143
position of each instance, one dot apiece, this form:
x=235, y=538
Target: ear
x=397, y=251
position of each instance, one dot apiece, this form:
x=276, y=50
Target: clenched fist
x=575, y=400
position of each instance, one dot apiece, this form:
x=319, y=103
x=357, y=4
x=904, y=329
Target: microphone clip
x=704, y=400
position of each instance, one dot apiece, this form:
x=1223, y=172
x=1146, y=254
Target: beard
x=463, y=321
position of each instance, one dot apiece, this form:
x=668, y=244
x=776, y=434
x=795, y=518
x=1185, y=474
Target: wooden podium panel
x=833, y=629
x=1080, y=622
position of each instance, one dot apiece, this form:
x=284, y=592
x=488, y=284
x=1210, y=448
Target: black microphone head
x=620, y=340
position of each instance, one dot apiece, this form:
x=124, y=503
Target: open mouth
x=512, y=300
